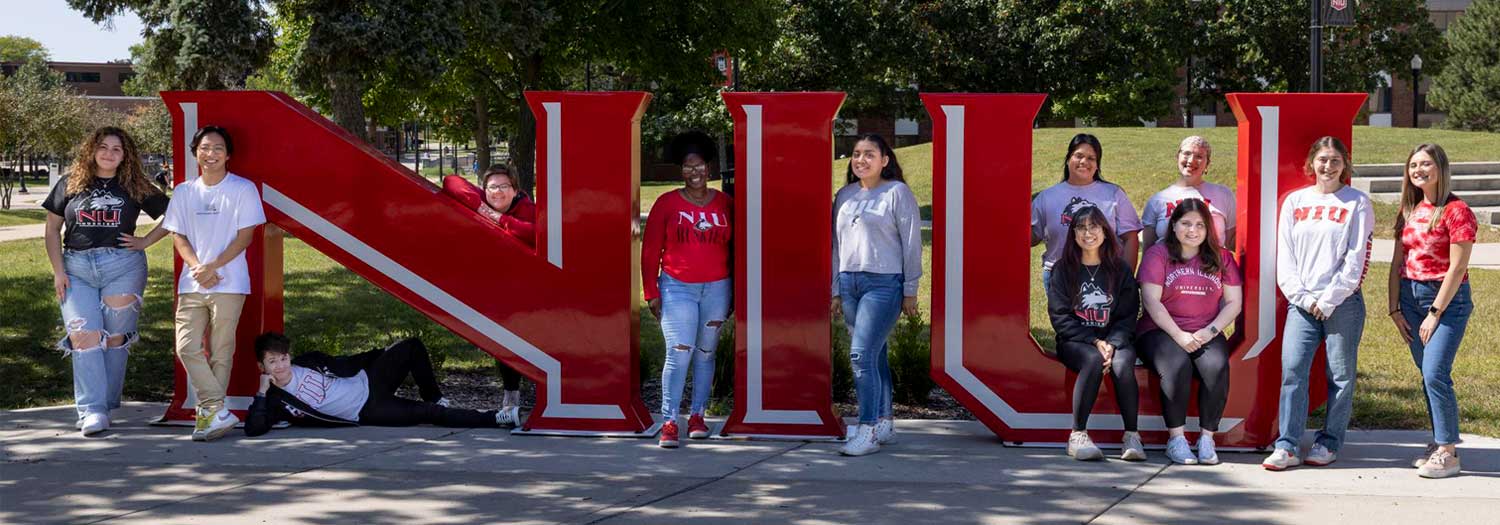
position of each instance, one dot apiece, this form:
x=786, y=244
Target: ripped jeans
x=872, y=305
x=95, y=276
x=691, y=315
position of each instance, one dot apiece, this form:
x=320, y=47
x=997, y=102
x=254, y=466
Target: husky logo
x=101, y=200
x=1078, y=203
x=702, y=225
x=1093, y=304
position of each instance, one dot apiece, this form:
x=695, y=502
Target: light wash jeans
x=872, y=305
x=1435, y=359
x=1299, y=345
x=691, y=315
x=94, y=274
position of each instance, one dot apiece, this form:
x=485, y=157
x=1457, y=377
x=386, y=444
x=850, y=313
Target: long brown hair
x=1208, y=253
x=130, y=174
x=1333, y=143
x=1411, y=195
x=1065, y=272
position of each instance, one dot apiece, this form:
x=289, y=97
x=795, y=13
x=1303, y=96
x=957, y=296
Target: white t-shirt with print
x=341, y=397
x=1221, y=204
x=1052, y=210
x=210, y=217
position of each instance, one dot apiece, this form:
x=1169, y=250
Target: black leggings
x=1176, y=368
x=510, y=379
x=386, y=374
x=1085, y=359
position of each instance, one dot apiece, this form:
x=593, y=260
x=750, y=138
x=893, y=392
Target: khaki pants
x=208, y=372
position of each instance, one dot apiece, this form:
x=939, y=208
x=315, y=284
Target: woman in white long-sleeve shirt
x=1322, y=253
x=877, y=259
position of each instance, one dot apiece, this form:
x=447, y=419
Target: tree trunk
x=481, y=132
x=345, y=92
x=523, y=142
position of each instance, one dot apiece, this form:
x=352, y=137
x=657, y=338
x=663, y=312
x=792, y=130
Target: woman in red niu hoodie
x=687, y=241
x=510, y=208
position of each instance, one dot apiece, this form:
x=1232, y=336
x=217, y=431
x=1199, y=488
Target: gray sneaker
x=1320, y=456
x=1206, y=453
x=1427, y=453
x=1440, y=465
x=1081, y=448
x=1179, y=451
x=1131, y=449
x=885, y=431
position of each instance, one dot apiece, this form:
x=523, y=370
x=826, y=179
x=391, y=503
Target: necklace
x=1093, y=273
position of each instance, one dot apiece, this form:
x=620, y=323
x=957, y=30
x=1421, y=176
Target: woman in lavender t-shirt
x=1082, y=185
x=1191, y=291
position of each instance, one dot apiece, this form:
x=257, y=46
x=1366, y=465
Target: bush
x=1468, y=89
x=911, y=361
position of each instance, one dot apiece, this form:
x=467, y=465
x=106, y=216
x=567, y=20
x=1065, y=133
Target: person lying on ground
x=316, y=389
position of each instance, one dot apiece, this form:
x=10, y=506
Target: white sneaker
x=444, y=402
x=861, y=442
x=1179, y=451
x=1320, y=456
x=221, y=423
x=200, y=424
x=1426, y=454
x=504, y=418
x=1440, y=465
x=1206, y=453
x=885, y=431
x=1132, y=450
x=1280, y=460
x=1081, y=448
x=94, y=424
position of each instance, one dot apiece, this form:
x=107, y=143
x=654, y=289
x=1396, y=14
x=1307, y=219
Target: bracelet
x=1394, y=312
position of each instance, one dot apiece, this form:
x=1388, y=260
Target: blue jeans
x=1435, y=359
x=1299, y=344
x=691, y=314
x=93, y=275
x=872, y=305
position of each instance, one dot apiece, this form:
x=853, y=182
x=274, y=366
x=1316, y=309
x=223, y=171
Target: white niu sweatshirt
x=1323, y=246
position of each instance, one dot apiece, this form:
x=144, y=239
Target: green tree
x=151, y=127
x=21, y=49
x=42, y=117
x=191, y=44
x=1468, y=89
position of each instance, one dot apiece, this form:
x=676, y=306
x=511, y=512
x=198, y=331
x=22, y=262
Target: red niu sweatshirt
x=688, y=242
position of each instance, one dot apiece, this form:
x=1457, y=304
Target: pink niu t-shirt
x=1191, y=296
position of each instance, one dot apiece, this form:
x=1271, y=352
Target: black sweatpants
x=510, y=379
x=1085, y=359
x=387, y=372
x=1177, y=368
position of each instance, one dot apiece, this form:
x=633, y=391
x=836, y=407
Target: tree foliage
x=40, y=116
x=191, y=44
x=1469, y=87
x=21, y=49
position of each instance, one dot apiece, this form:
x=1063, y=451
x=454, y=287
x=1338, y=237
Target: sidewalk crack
x=694, y=487
x=1127, y=495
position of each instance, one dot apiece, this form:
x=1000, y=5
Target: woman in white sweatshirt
x=1322, y=253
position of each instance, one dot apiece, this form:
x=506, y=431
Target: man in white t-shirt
x=212, y=219
x=1193, y=158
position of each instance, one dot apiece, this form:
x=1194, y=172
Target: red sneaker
x=697, y=429
x=668, y=435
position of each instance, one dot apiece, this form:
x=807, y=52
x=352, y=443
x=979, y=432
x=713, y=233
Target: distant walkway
x=939, y=472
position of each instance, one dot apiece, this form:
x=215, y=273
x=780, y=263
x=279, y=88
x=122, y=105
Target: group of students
x=1191, y=291
x=1188, y=284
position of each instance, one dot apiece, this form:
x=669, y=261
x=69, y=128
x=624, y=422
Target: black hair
x=1065, y=272
x=1208, y=253
x=223, y=133
x=892, y=170
x=692, y=143
x=1079, y=140
x=271, y=343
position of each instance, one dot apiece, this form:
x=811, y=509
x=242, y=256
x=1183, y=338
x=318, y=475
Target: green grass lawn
x=22, y=217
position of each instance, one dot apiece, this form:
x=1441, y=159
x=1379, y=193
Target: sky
x=68, y=36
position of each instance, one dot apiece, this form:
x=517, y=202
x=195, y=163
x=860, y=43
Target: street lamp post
x=1416, y=85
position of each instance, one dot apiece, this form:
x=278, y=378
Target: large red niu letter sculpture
x=565, y=316
x=783, y=144
x=982, y=349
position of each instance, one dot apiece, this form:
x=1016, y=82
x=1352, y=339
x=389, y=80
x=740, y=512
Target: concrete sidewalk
x=940, y=472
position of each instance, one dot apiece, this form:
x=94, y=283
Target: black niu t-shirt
x=96, y=216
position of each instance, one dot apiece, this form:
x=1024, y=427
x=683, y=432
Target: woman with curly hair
x=99, y=265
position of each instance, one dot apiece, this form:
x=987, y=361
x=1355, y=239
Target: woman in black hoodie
x=1093, y=302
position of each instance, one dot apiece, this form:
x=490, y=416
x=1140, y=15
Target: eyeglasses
x=701, y=168
x=498, y=187
x=216, y=148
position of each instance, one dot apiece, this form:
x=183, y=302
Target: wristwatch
x=1213, y=329
x=1434, y=311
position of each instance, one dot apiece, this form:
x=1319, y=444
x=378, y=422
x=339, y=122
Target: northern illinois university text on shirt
x=687, y=241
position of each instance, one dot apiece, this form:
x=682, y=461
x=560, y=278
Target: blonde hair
x=131, y=174
x=1195, y=140
x=1411, y=195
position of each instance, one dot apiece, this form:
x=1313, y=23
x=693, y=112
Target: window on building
x=125, y=77
x=82, y=76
